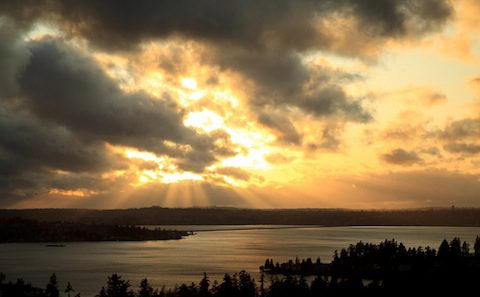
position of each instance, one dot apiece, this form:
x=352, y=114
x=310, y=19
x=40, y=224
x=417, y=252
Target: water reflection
x=87, y=265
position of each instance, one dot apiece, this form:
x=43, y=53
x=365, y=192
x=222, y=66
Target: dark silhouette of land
x=26, y=230
x=235, y=216
x=363, y=269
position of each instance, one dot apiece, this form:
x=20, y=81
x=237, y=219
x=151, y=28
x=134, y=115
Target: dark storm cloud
x=64, y=87
x=31, y=144
x=261, y=40
x=13, y=55
x=125, y=23
x=401, y=157
x=393, y=17
x=64, y=112
x=32, y=151
x=282, y=79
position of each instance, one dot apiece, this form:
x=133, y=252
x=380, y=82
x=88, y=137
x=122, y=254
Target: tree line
x=236, y=216
x=370, y=260
x=26, y=230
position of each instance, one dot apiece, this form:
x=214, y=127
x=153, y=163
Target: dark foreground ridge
x=384, y=269
x=235, y=216
x=26, y=230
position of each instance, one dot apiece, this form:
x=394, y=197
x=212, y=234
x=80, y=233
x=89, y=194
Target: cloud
x=281, y=126
x=465, y=148
x=401, y=157
x=278, y=158
x=234, y=172
x=13, y=55
x=418, y=188
x=262, y=43
x=32, y=143
x=461, y=129
x=61, y=111
x=397, y=17
x=279, y=79
x=64, y=87
x=123, y=24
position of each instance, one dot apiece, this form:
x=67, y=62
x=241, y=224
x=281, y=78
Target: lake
x=213, y=249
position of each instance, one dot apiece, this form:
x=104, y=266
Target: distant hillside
x=25, y=230
x=234, y=216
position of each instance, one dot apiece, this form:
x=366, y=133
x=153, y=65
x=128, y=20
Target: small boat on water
x=55, y=245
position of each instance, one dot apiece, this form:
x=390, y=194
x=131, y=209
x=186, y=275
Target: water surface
x=87, y=264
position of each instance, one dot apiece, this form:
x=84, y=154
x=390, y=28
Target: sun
x=189, y=83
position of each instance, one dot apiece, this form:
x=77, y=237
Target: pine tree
x=52, y=287
x=465, y=249
x=117, y=287
x=69, y=289
x=444, y=250
x=102, y=293
x=476, y=247
x=246, y=285
x=145, y=289
x=204, y=286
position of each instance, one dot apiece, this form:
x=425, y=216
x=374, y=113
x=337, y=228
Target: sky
x=257, y=104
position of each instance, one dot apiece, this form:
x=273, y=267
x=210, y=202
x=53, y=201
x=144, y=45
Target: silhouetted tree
x=187, y=291
x=455, y=248
x=318, y=286
x=102, y=293
x=246, y=285
x=444, y=250
x=52, y=287
x=145, y=289
x=465, y=249
x=69, y=289
x=117, y=287
x=262, y=285
x=227, y=288
x=204, y=286
x=476, y=247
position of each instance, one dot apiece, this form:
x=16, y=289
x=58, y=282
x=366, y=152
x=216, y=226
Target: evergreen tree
x=117, y=287
x=476, y=247
x=455, y=248
x=69, y=289
x=145, y=289
x=102, y=293
x=465, y=249
x=246, y=285
x=262, y=285
x=444, y=250
x=204, y=286
x=227, y=287
x=184, y=291
x=52, y=287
